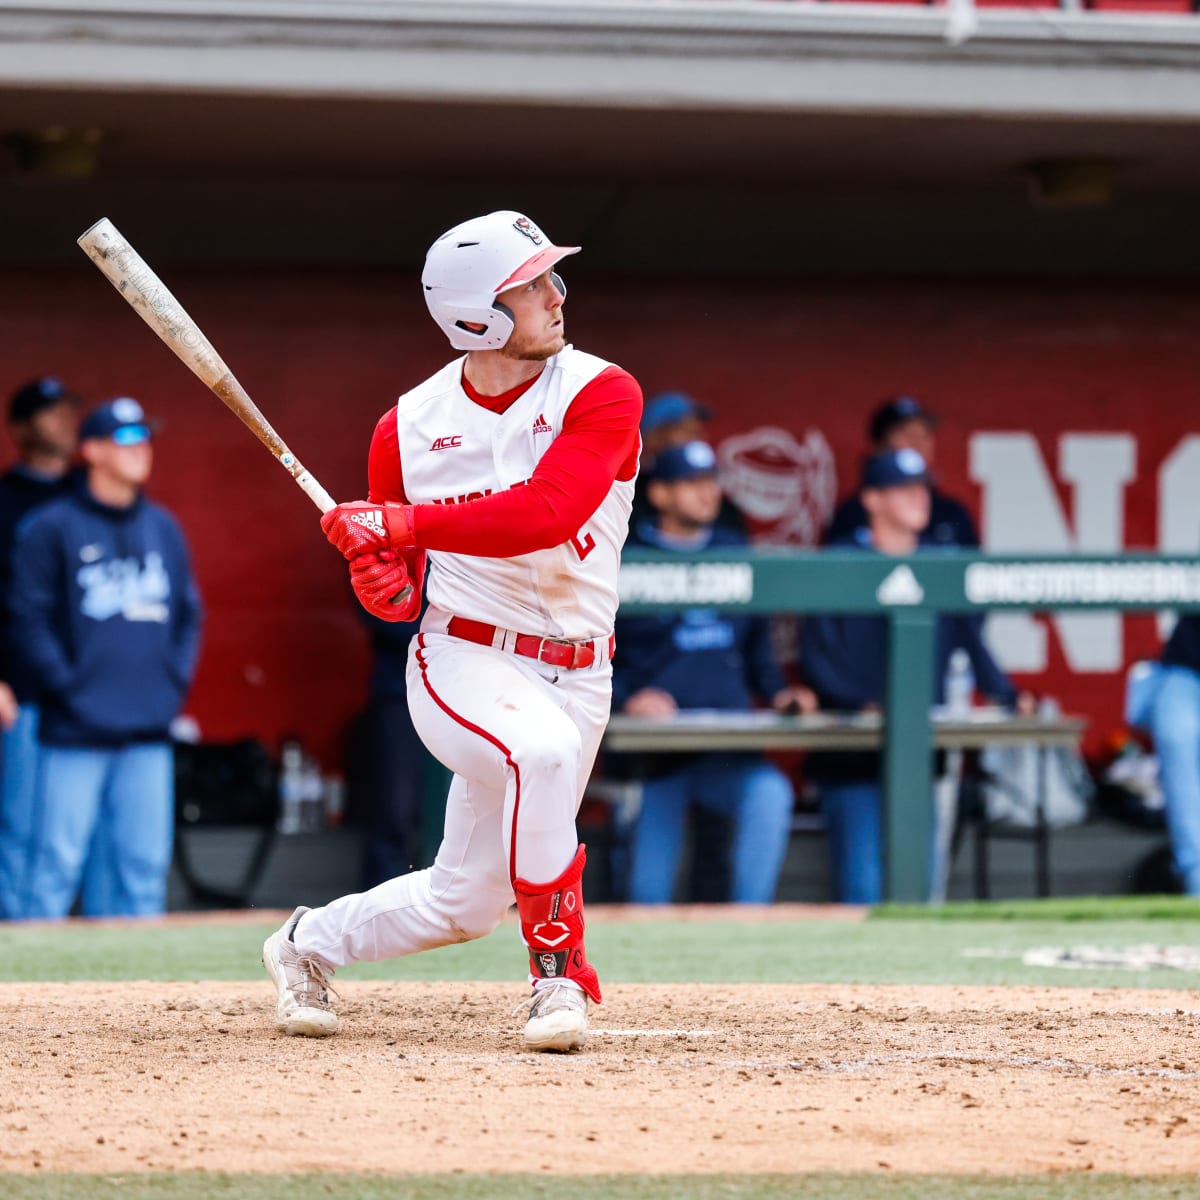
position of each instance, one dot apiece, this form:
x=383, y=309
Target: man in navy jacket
x=843, y=659
x=899, y=423
x=43, y=421
x=105, y=618
x=701, y=659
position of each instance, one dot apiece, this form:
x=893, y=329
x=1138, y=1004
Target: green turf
x=1068, y=908
x=189, y=1186
x=900, y=949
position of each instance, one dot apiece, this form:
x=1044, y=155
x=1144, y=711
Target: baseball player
x=505, y=483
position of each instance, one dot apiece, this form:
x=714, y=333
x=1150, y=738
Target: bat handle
x=313, y=490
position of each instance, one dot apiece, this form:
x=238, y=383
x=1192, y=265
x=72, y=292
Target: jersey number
x=585, y=547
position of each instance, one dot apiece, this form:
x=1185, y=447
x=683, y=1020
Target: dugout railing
x=909, y=592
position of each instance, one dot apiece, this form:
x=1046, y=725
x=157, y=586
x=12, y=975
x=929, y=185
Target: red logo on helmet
x=529, y=229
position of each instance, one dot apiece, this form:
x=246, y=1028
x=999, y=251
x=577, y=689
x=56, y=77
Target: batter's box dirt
x=429, y=1077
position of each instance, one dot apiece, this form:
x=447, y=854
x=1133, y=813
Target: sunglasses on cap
x=131, y=435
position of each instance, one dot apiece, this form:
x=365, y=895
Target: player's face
x=538, y=328
x=678, y=433
x=694, y=502
x=905, y=507
x=913, y=435
x=54, y=430
x=127, y=465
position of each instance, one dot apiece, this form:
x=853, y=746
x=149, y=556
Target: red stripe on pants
x=483, y=733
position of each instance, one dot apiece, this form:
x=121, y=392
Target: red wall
x=324, y=354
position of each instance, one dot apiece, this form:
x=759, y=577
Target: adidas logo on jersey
x=372, y=520
x=447, y=443
x=541, y=425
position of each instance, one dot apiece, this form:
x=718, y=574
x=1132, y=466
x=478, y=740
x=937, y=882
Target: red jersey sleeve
x=385, y=479
x=599, y=443
x=385, y=483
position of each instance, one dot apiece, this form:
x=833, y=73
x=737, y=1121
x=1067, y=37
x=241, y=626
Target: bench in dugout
x=224, y=784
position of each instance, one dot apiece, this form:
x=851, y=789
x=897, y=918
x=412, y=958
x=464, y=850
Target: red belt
x=555, y=652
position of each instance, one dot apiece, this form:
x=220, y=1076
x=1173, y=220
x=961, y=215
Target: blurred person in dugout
x=701, y=659
x=674, y=419
x=43, y=422
x=904, y=423
x=105, y=615
x=1166, y=702
x=843, y=658
x=669, y=419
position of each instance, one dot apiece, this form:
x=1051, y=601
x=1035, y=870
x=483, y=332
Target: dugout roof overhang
x=605, y=90
x=707, y=54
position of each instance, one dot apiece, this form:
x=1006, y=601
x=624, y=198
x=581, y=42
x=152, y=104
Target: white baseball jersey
x=454, y=450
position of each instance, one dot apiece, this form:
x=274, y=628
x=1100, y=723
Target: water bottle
x=960, y=684
x=291, y=786
x=312, y=805
x=335, y=801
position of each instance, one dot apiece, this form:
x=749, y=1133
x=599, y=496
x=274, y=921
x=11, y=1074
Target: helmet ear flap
x=555, y=278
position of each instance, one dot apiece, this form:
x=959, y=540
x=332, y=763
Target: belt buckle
x=577, y=649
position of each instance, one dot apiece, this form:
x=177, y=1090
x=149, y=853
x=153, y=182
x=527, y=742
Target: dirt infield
x=430, y=1077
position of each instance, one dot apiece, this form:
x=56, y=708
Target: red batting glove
x=384, y=587
x=364, y=528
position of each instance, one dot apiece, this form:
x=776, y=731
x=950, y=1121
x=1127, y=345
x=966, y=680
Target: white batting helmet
x=469, y=266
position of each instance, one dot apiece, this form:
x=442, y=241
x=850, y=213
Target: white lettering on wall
x=1179, y=508
x=1179, y=499
x=1021, y=514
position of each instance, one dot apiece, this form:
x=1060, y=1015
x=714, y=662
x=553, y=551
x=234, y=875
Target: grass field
x=953, y=945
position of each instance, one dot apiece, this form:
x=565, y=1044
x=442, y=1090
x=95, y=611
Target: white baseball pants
x=521, y=738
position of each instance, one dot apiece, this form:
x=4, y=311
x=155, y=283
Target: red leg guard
x=552, y=927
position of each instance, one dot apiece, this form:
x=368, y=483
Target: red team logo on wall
x=785, y=488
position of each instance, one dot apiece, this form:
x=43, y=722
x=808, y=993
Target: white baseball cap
x=471, y=264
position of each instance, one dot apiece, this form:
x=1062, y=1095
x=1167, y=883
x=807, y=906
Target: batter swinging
x=509, y=476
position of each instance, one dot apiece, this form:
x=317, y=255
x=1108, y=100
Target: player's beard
x=527, y=349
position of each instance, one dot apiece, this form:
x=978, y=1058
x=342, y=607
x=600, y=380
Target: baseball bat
x=150, y=298
x=128, y=272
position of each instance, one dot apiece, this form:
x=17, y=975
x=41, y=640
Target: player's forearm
x=519, y=521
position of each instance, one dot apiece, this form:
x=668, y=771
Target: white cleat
x=557, y=1017
x=303, y=1009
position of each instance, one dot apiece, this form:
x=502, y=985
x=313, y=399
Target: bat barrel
x=150, y=298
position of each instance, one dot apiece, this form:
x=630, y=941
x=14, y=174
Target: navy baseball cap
x=688, y=461
x=122, y=420
x=897, y=411
x=37, y=395
x=671, y=407
x=895, y=468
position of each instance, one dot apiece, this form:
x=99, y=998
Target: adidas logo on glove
x=372, y=520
